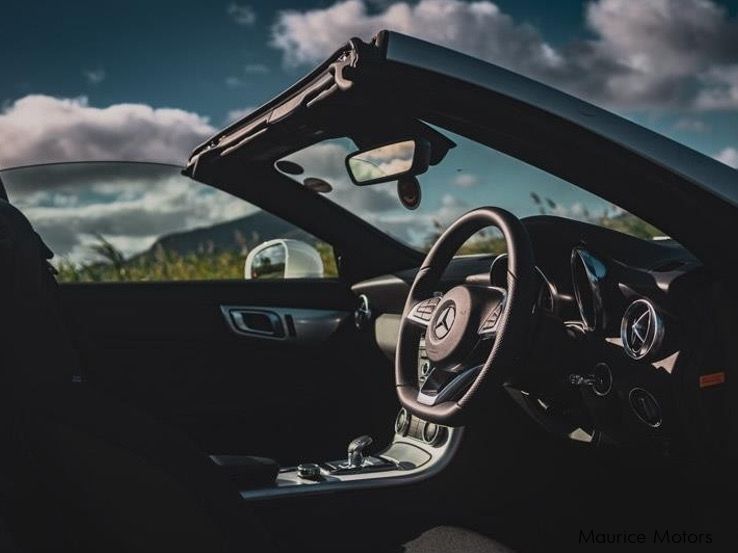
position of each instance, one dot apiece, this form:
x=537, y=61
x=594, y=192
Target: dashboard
x=622, y=359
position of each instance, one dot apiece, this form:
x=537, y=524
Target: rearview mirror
x=283, y=258
x=389, y=162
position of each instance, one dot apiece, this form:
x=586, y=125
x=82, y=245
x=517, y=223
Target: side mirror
x=389, y=162
x=283, y=258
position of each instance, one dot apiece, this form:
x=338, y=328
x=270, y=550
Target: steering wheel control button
x=645, y=406
x=423, y=311
x=602, y=379
x=491, y=322
x=309, y=471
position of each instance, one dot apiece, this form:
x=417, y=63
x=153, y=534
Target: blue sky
x=149, y=80
x=208, y=59
x=173, y=53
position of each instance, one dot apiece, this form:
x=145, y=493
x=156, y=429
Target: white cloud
x=242, y=15
x=729, y=156
x=234, y=82
x=236, y=114
x=477, y=27
x=130, y=205
x=250, y=69
x=94, y=76
x=466, y=180
x=691, y=124
x=256, y=68
x=655, y=53
x=43, y=129
x=721, y=91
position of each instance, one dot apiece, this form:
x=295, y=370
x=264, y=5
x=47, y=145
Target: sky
x=182, y=69
x=149, y=80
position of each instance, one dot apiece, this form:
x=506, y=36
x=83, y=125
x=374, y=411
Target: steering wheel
x=474, y=334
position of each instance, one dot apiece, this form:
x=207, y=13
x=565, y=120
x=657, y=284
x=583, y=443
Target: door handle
x=308, y=326
x=257, y=322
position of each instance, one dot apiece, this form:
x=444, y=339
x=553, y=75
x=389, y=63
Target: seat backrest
x=37, y=347
x=90, y=471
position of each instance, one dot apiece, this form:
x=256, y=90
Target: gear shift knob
x=356, y=451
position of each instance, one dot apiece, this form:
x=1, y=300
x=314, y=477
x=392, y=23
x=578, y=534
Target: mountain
x=246, y=232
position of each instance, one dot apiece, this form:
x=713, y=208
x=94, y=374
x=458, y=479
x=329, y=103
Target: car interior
x=565, y=392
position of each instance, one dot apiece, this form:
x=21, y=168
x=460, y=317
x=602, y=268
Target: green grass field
x=164, y=266
x=210, y=264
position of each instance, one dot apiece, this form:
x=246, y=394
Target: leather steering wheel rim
x=512, y=329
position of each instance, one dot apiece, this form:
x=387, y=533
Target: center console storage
x=419, y=449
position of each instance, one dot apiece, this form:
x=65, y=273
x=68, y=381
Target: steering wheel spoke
x=446, y=385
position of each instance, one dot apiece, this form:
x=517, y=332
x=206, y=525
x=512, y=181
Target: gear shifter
x=356, y=451
x=358, y=461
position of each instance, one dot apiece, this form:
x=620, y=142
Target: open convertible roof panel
x=307, y=113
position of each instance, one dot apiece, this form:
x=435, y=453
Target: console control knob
x=309, y=471
x=402, y=422
x=430, y=433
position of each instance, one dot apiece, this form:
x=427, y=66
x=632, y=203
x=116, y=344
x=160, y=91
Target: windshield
x=471, y=175
x=108, y=221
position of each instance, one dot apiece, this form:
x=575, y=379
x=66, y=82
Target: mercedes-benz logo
x=445, y=322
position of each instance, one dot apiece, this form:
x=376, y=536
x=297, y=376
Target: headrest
x=33, y=333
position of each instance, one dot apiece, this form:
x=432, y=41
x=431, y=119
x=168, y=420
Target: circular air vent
x=641, y=329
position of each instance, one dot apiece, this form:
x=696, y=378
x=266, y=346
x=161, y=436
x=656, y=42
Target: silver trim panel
x=290, y=484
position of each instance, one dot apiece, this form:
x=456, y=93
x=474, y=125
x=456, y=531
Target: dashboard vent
x=641, y=330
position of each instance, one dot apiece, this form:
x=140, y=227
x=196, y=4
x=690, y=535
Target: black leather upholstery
x=87, y=472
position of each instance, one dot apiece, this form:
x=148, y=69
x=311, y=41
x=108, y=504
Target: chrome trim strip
x=595, y=271
x=640, y=342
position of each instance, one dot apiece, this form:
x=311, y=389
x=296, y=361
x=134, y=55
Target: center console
x=419, y=449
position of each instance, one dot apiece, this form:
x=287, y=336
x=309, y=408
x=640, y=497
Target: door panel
x=169, y=348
